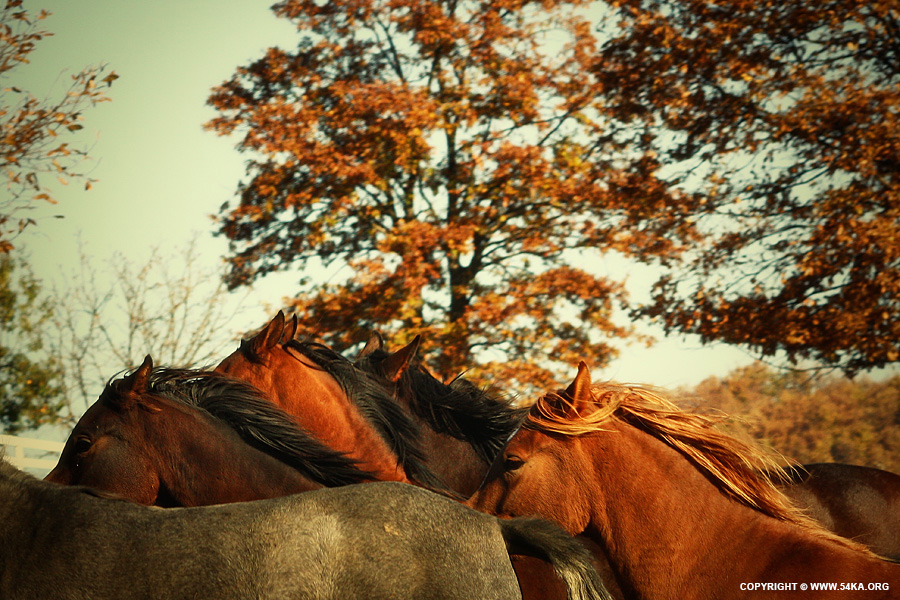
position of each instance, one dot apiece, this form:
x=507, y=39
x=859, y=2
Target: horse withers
x=374, y=541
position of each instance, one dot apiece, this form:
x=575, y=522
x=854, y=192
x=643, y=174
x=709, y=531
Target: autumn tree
x=36, y=133
x=30, y=377
x=785, y=118
x=445, y=154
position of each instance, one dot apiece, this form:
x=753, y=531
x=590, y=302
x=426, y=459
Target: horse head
x=109, y=441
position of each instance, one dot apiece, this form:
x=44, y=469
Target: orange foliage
x=783, y=119
x=32, y=130
x=446, y=152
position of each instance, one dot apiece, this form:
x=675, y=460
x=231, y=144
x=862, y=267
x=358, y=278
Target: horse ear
x=395, y=364
x=376, y=342
x=290, y=330
x=269, y=337
x=579, y=391
x=138, y=382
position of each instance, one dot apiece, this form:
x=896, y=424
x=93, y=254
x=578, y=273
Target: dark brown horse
x=857, y=502
x=463, y=428
x=680, y=509
x=173, y=437
x=377, y=541
x=348, y=409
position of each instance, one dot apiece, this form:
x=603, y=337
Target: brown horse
x=463, y=428
x=356, y=410
x=172, y=437
x=680, y=509
x=350, y=410
x=856, y=502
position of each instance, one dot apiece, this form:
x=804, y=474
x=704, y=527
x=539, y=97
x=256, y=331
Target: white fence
x=30, y=453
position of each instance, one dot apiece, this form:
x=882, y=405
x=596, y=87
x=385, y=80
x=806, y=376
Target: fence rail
x=31, y=453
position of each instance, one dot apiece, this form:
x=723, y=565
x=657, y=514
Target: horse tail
x=539, y=538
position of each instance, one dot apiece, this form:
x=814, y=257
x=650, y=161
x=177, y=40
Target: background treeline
x=811, y=419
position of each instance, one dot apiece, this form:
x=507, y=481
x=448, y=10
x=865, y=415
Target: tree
x=107, y=321
x=30, y=379
x=785, y=118
x=444, y=154
x=32, y=130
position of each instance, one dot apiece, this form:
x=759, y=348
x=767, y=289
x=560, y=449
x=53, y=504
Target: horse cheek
x=122, y=472
x=545, y=488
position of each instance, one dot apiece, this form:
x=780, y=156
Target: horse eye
x=512, y=463
x=82, y=445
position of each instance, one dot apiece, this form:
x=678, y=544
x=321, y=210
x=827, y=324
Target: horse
x=357, y=411
x=348, y=409
x=856, y=502
x=178, y=437
x=680, y=509
x=369, y=541
x=463, y=427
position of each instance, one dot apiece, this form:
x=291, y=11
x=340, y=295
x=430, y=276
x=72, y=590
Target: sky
x=161, y=176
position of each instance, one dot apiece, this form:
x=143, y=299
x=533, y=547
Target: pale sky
x=161, y=175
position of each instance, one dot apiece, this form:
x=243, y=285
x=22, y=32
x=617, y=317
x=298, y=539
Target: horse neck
x=455, y=461
x=17, y=504
x=667, y=528
x=322, y=407
x=205, y=462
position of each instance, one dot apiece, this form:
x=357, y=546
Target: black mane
x=261, y=424
x=375, y=399
x=460, y=409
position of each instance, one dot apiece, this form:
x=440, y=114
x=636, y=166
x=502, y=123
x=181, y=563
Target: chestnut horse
x=174, y=437
x=350, y=410
x=680, y=509
x=355, y=409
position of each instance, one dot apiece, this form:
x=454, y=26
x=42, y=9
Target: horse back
x=856, y=502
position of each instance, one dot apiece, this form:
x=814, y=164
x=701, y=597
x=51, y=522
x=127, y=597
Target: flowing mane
x=375, y=402
x=459, y=409
x=741, y=470
x=257, y=421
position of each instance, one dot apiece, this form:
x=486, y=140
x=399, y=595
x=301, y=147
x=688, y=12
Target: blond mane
x=743, y=471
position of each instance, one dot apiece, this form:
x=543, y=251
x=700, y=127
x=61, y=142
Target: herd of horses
x=291, y=471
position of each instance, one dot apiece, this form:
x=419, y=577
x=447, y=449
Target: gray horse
x=373, y=541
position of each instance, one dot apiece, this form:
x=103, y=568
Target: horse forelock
x=742, y=470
